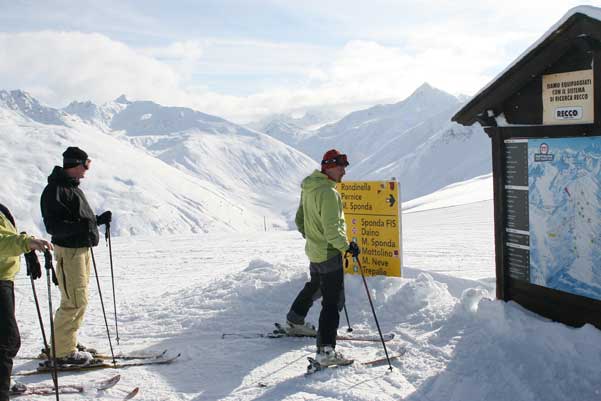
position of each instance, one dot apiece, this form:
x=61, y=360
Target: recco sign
x=568, y=98
x=568, y=113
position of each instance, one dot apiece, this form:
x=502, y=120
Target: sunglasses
x=339, y=160
x=85, y=163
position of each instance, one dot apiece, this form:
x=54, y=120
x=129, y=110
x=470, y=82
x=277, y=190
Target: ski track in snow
x=183, y=292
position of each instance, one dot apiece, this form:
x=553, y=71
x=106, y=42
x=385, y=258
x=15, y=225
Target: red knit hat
x=333, y=158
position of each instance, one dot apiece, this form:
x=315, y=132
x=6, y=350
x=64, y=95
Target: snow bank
x=183, y=292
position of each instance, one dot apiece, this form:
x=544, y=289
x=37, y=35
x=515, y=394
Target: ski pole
x=48, y=266
x=107, y=235
x=108, y=333
x=374, y=312
x=31, y=268
x=37, y=307
x=350, y=329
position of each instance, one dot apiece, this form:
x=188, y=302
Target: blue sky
x=246, y=59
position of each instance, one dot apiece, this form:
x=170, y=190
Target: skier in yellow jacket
x=12, y=245
x=320, y=220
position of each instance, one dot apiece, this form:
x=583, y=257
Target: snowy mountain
x=474, y=190
x=250, y=166
x=23, y=103
x=223, y=177
x=285, y=131
x=99, y=116
x=412, y=140
x=365, y=132
x=452, y=153
x=292, y=130
x=309, y=120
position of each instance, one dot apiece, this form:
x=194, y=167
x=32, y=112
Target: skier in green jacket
x=320, y=220
x=12, y=245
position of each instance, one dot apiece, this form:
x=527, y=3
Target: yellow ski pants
x=73, y=274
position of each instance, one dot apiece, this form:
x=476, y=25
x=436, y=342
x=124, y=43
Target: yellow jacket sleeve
x=11, y=246
x=333, y=220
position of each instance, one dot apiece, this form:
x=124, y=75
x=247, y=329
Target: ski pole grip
x=48, y=260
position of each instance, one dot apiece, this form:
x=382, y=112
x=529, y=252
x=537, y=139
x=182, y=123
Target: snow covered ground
x=183, y=292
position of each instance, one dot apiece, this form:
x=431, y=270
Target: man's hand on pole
x=353, y=249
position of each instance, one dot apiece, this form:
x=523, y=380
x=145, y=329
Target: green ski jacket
x=320, y=218
x=12, y=245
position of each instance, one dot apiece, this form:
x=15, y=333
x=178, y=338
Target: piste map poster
x=564, y=196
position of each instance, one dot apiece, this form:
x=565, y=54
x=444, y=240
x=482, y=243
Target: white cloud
x=456, y=47
x=63, y=66
x=190, y=50
x=58, y=67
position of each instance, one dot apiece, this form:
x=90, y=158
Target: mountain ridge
x=202, y=179
x=412, y=140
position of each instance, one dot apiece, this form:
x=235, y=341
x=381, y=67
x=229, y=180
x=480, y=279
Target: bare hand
x=39, y=244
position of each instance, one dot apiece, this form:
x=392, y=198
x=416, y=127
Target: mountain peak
x=428, y=96
x=122, y=100
x=424, y=87
x=17, y=97
x=26, y=105
x=87, y=110
x=81, y=105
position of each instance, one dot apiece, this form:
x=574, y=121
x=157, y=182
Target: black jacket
x=67, y=215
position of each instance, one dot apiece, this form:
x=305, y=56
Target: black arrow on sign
x=391, y=200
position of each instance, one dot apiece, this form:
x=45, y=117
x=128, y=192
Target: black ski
x=98, y=364
x=48, y=389
x=280, y=332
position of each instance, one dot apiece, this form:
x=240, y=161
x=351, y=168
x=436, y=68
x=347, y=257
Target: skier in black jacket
x=70, y=221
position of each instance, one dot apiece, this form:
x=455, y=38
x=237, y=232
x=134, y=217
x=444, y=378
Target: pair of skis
x=99, y=363
x=108, y=357
x=314, y=366
x=280, y=332
x=48, y=389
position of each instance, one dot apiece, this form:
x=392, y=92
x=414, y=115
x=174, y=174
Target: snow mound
x=422, y=300
x=471, y=297
x=258, y=264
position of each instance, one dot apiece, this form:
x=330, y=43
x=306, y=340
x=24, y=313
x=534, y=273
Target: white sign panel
x=568, y=98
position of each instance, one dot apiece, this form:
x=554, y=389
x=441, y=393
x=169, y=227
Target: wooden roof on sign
x=581, y=25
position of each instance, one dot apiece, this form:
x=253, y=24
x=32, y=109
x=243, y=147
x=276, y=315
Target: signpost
x=373, y=221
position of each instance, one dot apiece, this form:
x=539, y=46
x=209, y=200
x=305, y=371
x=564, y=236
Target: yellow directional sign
x=373, y=221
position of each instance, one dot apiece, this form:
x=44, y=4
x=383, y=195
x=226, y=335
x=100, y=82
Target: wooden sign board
x=373, y=221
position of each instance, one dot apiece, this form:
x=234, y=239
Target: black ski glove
x=104, y=218
x=49, y=266
x=33, y=265
x=353, y=249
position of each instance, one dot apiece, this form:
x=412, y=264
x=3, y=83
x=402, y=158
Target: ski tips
x=132, y=394
x=110, y=382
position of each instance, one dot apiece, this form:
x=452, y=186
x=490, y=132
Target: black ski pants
x=327, y=282
x=10, y=339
